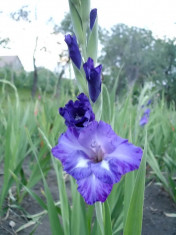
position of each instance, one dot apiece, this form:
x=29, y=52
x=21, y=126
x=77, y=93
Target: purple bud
x=143, y=121
x=147, y=112
x=145, y=117
x=149, y=102
x=93, y=76
x=73, y=48
x=77, y=114
x=93, y=16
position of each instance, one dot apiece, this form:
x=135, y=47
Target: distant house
x=11, y=62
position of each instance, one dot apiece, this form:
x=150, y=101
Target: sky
x=158, y=16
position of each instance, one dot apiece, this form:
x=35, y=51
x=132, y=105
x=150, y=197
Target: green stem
x=99, y=215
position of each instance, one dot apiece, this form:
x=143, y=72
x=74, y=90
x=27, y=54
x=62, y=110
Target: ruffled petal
x=93, y=190
x=78, y=114
x=88, y=136
x=100, y=134
x=108, y=139
x=125, y=158
x=103, y=172
x=67, y=144
x=77, y=164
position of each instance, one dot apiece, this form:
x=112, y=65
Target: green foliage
x=44, y=125
x=142, y=57
x=65, y=26
x=30, y=129
x=47, y=81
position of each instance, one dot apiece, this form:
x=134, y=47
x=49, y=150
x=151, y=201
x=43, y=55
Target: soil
x=157, y=219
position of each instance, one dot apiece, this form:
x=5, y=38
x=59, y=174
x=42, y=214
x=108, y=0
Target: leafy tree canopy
x=141, y=57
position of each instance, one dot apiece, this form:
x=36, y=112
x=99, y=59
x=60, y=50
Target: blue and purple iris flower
x=95, y=156
x=93, y=76
x=144, y=120
x=93, y=16
x=73, y=48
x=78, y=114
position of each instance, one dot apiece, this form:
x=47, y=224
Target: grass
x=31, y=127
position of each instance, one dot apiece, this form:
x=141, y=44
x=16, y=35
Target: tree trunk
x=58, y=82
x=35, y=77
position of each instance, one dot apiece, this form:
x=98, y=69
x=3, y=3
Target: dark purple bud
x=79, y=113
x=149, y=102
x=73, y=48
x=93, y=76
x=93, y=16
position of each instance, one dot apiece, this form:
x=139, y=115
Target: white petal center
x=105, y=165
x=82, y=163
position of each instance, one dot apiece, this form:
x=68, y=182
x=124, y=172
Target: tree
x=129, y=47
x=65, y=26
x=22, y=14
x=164, y=63
x=141, y=57
x=35, y=77
x=4, y=42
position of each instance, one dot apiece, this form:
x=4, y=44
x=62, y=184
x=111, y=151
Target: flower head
x=145, y=117
x=73, y=50
x=143, y=120
x=149, y=102
x=147, y=112
x=97, y=158
x=93, y=16
x=78, y=114
x=93, y=76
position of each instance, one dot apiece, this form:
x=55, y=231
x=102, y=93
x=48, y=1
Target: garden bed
x=158, y=212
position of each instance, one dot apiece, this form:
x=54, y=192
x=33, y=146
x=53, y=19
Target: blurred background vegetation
x=131, y=54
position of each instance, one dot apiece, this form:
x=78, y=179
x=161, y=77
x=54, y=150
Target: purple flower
x=143, y=121
x=93, y=76
x=93, y=16
x=145, y=117
x=149, y=102
x=78, y=114
x=97, y=158
x=73, y=50
x=147, y=112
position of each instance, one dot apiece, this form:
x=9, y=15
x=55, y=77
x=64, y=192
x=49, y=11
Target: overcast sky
x=158, y=16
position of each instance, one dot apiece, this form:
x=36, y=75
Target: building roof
x=12, y=62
